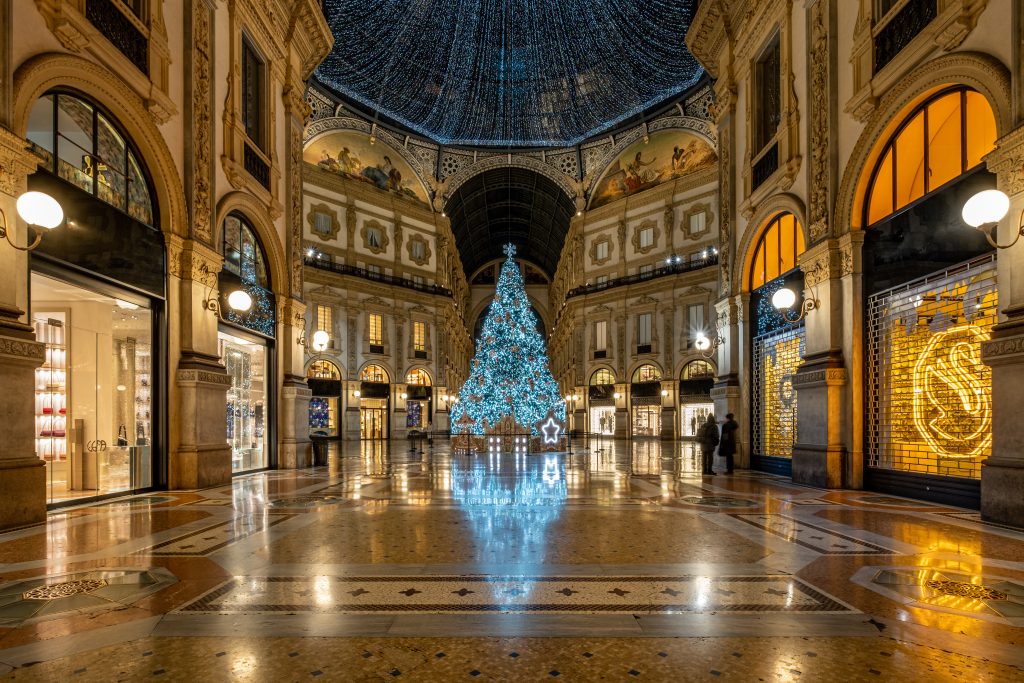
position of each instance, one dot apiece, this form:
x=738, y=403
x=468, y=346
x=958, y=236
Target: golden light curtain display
x=776, y=359
x=930, y=397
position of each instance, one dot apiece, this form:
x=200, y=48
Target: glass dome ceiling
x=509, y=72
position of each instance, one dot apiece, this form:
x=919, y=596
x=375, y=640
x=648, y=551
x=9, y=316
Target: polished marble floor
x=615, y=561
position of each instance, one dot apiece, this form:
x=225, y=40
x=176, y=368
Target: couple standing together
x=708, y=437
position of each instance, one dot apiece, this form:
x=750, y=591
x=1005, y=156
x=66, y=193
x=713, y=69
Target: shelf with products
x=143, y=392
x=51, y=388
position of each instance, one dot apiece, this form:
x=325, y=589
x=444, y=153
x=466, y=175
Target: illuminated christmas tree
x=509, y=375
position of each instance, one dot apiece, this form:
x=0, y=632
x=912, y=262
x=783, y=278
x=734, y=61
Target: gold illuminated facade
x=777, y=357
x=930, y=401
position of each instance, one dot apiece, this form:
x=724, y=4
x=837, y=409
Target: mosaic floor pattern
x=618, y=564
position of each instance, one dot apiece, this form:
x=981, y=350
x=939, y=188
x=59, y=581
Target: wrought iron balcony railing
x=344, y=269
x=661, y=271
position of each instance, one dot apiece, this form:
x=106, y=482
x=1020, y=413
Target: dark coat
x=730, y=430
x=707, y=435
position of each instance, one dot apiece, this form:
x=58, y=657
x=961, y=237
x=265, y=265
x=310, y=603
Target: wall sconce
x=404, y=395
x=664, y=392
x=39, y=210
x=783, y=301
x=707, y=346
x=357, y=393
x=239, y=300
x=983, y=212
x=321, y=340
x=617, y=395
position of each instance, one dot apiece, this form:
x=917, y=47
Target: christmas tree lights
x=509, y=375
x=523, y=73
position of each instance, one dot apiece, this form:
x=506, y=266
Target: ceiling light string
x=540, y=73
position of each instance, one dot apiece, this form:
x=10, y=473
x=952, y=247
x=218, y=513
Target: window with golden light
x=323, y=318
x=419, y=336
x=698, y=369
x=777, y=249
x=940, y=140
x=374, y=373
x=601, y=377
x=646, y=373
x=418, y=377
x=376, y=329
x=323, y=369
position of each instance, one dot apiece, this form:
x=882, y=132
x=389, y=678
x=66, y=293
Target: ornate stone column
x=818, y=454
x=22, y=474
x=199, y=455
x=1002, y=474
x=294, y=446
x=727, y=393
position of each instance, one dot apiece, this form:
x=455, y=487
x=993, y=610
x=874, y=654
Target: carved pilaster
x=199, y=113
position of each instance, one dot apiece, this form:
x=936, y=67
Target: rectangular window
x=602, y=250
x=323, y=318
x=373, y=268
x=767, y=100
x=418, y=251
x=419, y=336
x=252, y=92
x=373, y=238
x=643, y=329
x=646, y=238
x=322, y=223
x=376, y=330
x=601, y=335
x=646, y=269
x=418, y=279
x=695, y=316
x=601, y=279
x=698, y=222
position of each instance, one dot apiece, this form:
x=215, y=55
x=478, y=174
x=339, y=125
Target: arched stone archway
x=51, y=70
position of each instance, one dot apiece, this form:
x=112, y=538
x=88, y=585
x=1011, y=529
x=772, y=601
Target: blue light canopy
x=509, y=72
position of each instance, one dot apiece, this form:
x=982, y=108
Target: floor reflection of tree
x=510, y=501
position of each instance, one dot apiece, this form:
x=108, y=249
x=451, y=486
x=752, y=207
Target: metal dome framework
x=536, y=73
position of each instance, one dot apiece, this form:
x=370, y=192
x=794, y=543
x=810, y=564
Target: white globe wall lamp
x=41, y=211
x=985, y=210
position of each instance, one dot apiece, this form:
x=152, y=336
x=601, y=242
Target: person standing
x=727, y=445
x=707, y=435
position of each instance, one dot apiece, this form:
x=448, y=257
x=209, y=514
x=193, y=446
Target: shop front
x=418, y=401
x=601, y=403
x=324, y=380
x=777, y=345
x=246, y=344
x=931, y=302
x=695, y=383
x=374, y=397
x=645, y=402
x=97, y=301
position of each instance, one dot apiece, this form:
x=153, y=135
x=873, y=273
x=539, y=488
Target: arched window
x=939, y=140
x=780, y=244
x=323, y=369
x=602, y=376
x=698, y=369
x=374, y=373
x=646, y=373
x=418, y=377
x=243, y=254
x=86, y=147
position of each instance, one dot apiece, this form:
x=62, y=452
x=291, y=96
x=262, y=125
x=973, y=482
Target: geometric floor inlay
x=550, y=594
x=812, y=536
x=206, y=541
x=719, y=501
x=953, y=591
x=99, y=589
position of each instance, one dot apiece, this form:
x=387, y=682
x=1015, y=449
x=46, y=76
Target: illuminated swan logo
x=952, y=394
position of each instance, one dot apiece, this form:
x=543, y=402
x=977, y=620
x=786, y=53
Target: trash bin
x=319, y=452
